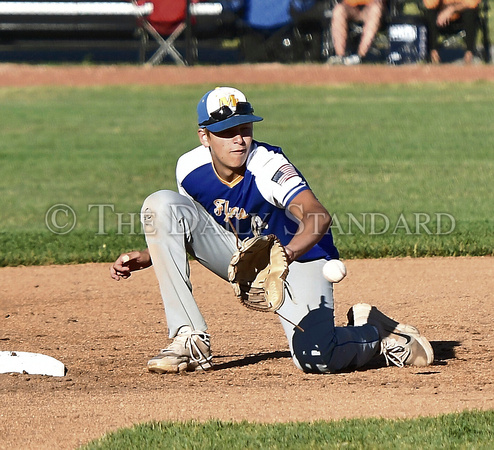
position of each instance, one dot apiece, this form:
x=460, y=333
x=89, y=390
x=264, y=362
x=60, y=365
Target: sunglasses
x=225, y=112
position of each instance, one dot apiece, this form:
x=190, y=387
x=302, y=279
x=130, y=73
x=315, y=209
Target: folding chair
x=165, y=24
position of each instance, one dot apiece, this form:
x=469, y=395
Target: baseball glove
x=258, y=272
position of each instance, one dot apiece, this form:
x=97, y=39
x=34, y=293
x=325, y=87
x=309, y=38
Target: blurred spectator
x=368, y=12
x=261, y=14
x=265, y=25
x=440, y=13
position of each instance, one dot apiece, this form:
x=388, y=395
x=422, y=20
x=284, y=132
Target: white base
x=31, y=363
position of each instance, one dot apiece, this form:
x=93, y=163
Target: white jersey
x=268, y=186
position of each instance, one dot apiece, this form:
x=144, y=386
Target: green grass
x=400, y=152
x=472, y=430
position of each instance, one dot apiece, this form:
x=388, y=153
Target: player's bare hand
x=129, y=262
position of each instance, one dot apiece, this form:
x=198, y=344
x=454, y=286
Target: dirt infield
x=104, y=331
x=27, y=75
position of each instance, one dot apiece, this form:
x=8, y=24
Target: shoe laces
x=194, y=349
x=190, y=342
x=394, y=352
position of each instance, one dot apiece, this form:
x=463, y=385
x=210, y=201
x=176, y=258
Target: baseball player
x=233, y=181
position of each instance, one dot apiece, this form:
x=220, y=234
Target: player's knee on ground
x=313, y=347
x=322, y=348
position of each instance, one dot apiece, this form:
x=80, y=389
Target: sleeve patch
x=284, y=173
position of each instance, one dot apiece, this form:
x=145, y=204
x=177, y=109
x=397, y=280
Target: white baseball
x=334, y=270
x=125, y=259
